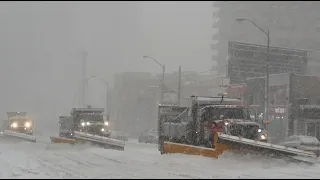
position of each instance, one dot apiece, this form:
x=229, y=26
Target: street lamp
x=266, y=91
x=107, y=87
x=162, y=80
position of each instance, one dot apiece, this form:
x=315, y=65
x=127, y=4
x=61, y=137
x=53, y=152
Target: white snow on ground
x=46, y=160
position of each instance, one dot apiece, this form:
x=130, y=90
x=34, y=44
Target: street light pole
x=162, y=79
x=162, y=84
x=266, y=90
x=266, y=103
x=179, y=87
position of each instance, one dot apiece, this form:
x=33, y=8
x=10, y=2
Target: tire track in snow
x=58, y=170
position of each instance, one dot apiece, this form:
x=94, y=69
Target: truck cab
x=19, y=122
x=90, y=120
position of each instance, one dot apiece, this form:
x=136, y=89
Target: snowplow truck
x=188, y=130
x=18, y=125
x=86, y=125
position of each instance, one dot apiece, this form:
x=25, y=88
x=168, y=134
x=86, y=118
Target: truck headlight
x=14, y=125
x=83, y=124
x=88, y=123
x=102, y=129
x=106, y=123
x=263, y=137
x=27, y=124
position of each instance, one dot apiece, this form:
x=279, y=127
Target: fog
x=41, y=44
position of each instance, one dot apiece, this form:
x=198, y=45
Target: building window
x=311, y=130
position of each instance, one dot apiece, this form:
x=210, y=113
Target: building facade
x=294, y=104
x=292, y=24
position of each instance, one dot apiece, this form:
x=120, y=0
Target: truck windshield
x=232, y=113
x=227, y=112
x=19, y=120
x=91, y=117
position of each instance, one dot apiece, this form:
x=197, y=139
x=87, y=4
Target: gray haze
x=41, y=43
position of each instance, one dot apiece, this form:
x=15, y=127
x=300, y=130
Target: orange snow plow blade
x=62, y=140
x=224, y=143
x=169, y=147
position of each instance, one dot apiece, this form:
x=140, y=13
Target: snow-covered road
x=45, y=160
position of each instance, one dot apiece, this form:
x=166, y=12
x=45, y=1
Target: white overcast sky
x=41, y=41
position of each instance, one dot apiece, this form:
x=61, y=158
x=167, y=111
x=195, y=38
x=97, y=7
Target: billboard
x=249, y=60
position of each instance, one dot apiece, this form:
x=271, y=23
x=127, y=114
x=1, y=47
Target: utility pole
x=222, y=82
x=84, y=67
x=179, y=87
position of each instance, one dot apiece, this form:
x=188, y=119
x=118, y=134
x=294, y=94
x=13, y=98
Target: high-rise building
x=292, y=24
